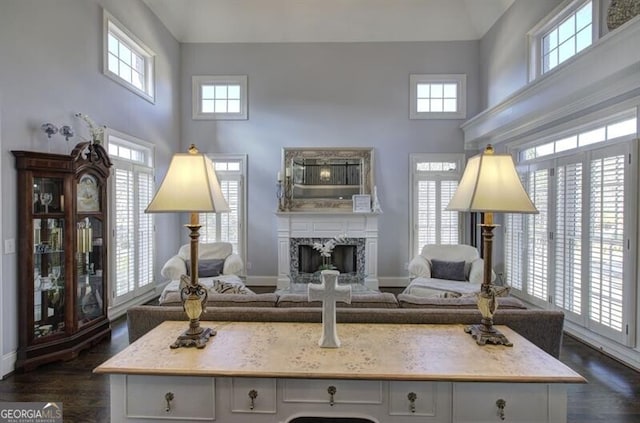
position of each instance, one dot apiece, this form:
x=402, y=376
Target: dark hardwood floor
x=612, y=394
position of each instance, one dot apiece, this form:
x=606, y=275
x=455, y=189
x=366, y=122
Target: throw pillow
x=207, y=268
x=450, y=270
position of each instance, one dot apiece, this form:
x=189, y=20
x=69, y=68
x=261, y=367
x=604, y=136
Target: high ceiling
x=252, y=21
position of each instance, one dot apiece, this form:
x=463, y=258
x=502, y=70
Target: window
x=127, y=60
x=229, y=227
x=132, y=188
x=438, y=96
x=219, y=97
x=434, y=180
x=576, y=255
x=564, y=33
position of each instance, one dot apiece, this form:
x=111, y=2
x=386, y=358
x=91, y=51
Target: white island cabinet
x=275, y=372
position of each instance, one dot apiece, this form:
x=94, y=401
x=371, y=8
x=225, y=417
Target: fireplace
x=347, y=257
x=296, y=229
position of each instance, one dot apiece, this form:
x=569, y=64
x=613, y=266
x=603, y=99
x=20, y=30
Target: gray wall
x=503, y=50
x=51, y=53
x=328, y=95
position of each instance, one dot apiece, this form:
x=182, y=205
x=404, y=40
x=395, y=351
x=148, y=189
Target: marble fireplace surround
x=360, y=228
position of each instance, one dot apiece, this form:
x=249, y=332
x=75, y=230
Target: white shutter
x=514, y=241
x=568, y=238
x=144, y=253
x=449, y=224
x=124, y=230
x=426, y=222
x=537, y=237
x=606, y=241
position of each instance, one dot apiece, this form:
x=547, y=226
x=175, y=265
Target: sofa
x=541, y=327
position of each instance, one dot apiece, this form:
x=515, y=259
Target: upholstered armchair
x=454, y=269
x=214, y=259
x=420, y=266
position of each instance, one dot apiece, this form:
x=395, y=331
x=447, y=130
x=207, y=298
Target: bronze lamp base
x=198, y=340
x=487, y=335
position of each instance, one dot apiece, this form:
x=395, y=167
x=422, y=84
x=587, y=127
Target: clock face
x=88, y=194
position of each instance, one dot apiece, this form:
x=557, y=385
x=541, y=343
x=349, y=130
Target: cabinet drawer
x=263, y=391
x=430, y=399
x=193, y=397
x=346, y=391
x=477, y=402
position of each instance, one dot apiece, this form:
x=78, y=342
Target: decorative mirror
x=326, y=177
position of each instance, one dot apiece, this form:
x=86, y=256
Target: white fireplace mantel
x=327, y=224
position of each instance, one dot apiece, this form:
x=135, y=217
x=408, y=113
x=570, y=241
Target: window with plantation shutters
x=538, y=235
x=606, y=241
x=435, y=178
x=228, y=227
x=568, y=238
x=578, y=250
x=132, y=186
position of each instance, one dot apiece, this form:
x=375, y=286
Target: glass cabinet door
x=48, y=195
x=48, y=277
x=89, y=271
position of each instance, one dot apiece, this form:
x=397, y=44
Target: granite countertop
x=368, y=351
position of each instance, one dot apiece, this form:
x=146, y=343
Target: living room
x=305, y=94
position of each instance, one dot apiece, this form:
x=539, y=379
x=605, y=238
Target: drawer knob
x=412, y=401
x=332, y=391
x=253, y=394
x=168, y=397
x=501, y=404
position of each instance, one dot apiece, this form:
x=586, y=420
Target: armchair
x=214, y=259
x=466, y=280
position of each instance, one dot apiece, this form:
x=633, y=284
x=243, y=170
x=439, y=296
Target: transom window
x=127, y=60
x=438, y=96
x=567, y=38
x=616, y=129
x=220, y=97
x=566, y=31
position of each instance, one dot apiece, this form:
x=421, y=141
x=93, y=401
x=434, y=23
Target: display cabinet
x=62, y=254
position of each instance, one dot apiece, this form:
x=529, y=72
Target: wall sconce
x=49, y=129
x=325, y=173
x=67, y=132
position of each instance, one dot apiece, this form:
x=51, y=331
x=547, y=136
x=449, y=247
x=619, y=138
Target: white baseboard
x=626, y=355
x=9, y=363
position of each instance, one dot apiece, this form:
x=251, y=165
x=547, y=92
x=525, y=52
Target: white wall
x=51, y=68
x=329, y=95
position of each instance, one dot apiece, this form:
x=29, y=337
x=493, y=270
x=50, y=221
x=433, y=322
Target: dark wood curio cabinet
x=62, y=253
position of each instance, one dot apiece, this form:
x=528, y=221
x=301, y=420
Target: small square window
x=222, y=97
x=437, y=96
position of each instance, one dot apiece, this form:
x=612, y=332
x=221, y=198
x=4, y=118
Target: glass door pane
x=48, y=195
x=90, y=267
x=49, y=277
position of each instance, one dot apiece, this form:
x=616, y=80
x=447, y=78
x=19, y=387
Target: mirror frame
x=364, y=154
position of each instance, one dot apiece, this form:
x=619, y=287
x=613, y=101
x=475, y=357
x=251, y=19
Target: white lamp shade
x=190, y=185
x=490, y=183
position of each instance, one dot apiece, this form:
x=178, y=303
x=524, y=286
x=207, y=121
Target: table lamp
x=191, y=185
x=490, y=184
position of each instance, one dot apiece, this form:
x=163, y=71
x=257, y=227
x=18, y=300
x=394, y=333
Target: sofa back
x=543, y=328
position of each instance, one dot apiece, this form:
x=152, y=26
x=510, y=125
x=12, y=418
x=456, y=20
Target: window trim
x=134, y=142
x=197, y=81
x=557, y=15
x=414, y=177
x=242, y=210
x=110, y=23
x=459, y=79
